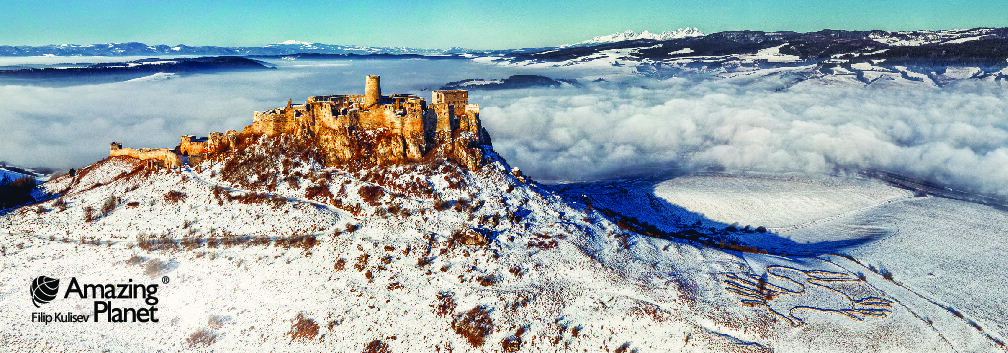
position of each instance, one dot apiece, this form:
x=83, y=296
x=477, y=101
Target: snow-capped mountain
x=631, y=35
x=294, y=42
x=140, y=49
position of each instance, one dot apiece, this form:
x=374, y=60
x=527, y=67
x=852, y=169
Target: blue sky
x=441, y=24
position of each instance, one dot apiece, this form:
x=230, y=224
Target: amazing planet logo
x=44, y=290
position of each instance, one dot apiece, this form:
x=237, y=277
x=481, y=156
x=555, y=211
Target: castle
x=367, y=128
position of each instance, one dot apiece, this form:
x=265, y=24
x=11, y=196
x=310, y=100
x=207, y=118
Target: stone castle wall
x=216, y=142
x=166, y=157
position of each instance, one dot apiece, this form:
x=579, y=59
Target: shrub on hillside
x=376, y=346
x=60, y=204
x=886, y=274
x=202, y=337
x=174, y=196
x=371, y=194
x=303, y=329
x=445, y=304
x=317, y=192
x=511, y=344
x=156, y=267
x=474, y=325
x=89, y=214
x=109, y=205
x=441, y=205
x=468, y=236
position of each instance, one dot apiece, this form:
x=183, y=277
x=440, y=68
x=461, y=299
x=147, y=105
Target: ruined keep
x=372, y=91
x=366, y=129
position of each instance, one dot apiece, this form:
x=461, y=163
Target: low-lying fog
x=623, y=126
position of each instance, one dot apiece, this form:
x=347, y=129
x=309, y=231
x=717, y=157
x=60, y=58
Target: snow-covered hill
x=917, y=38
x=267, y=247
x=908, y=58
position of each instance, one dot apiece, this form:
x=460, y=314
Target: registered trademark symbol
x=164, y=279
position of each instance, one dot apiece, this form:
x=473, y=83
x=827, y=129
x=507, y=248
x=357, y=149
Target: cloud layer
x=622, y=127
x=956, y=135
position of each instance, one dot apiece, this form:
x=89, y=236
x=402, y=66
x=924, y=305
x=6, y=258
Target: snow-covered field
x=940, y=259
x=947, y=251
x=779, y=203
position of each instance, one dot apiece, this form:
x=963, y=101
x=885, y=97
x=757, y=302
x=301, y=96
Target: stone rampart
x=168, y=157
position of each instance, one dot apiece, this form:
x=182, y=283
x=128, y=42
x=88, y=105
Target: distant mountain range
x=861, y=57
x=141, y=49
x=737, y=39
x=979, y=43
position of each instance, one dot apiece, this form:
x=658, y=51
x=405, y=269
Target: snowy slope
x=938, y=258
x=291, y=255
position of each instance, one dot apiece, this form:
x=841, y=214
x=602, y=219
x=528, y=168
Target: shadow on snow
x=633, y=206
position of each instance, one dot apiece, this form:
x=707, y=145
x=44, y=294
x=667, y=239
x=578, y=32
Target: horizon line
x=470, y=48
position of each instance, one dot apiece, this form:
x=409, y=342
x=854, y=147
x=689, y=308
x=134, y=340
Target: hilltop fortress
x=368, y=129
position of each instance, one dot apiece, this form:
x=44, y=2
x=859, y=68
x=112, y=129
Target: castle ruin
x=370, y=128
x=160, y=157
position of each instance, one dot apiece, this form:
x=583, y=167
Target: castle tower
x=372, y=91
